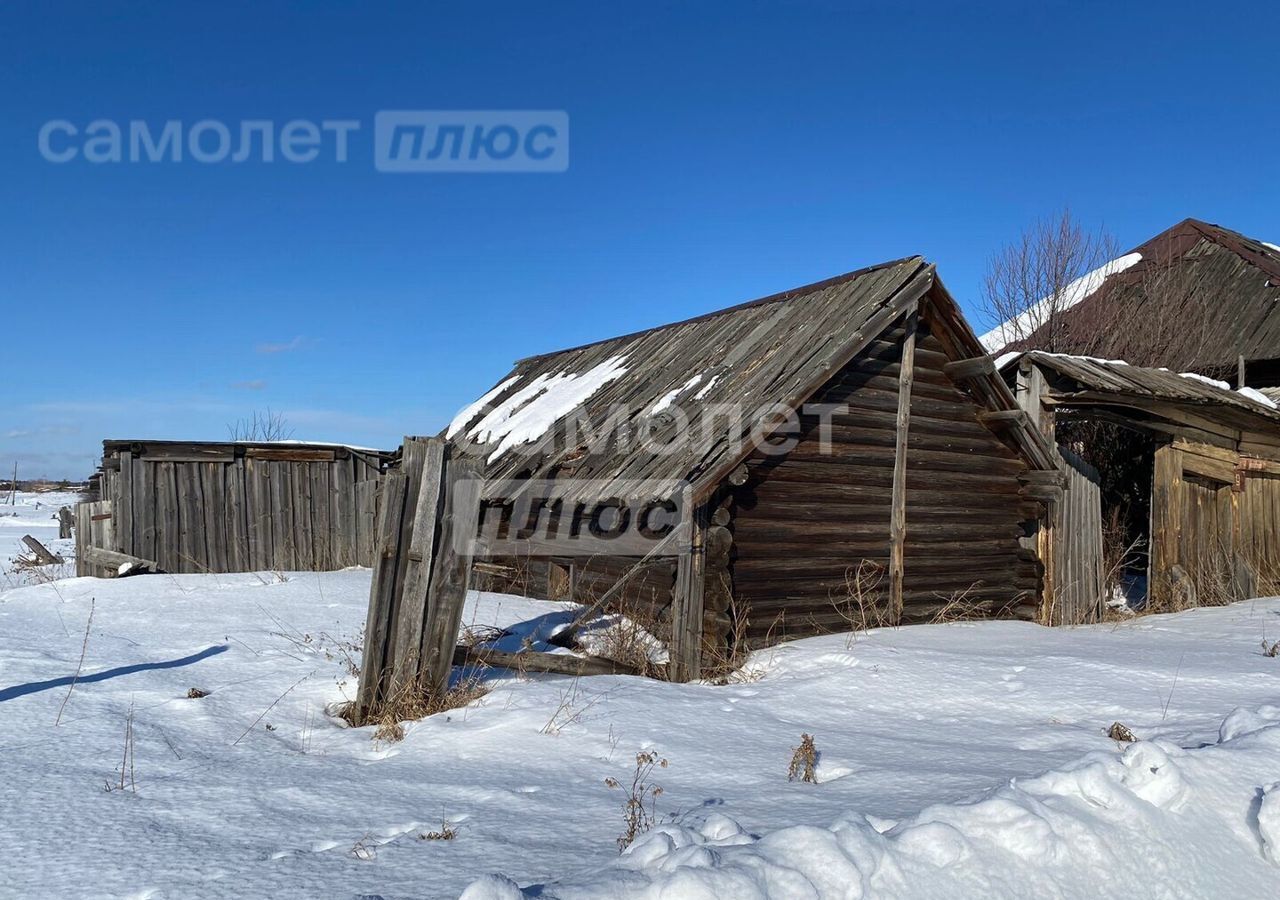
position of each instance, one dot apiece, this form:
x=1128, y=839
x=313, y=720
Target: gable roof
x=756, y=357
x=1240, y=274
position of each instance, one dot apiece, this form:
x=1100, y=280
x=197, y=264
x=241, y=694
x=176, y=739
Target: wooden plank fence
x=235, y=508
x=1076, y=576
x=419, y=579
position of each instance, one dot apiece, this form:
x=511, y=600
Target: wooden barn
x=1197, y=296
x=184, y=507
x=1187, y=468
x=910, y=478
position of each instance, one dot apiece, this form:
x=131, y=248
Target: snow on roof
x=1270, y=246
x=1004, y=359
x=670, y=397
x=469, y=412
x=1023, y=324
x=1141, y=379
x=526, y=415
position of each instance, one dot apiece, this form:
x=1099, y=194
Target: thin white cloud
x=285, y=347
x=256, y=384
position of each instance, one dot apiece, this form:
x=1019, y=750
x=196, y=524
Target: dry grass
x=961, y=607
x=1121, y=733
x=195, y=693
x=861, y=605
x=447, y=832
x=726, y=663
x=639, y=809
x=804, y=759
x=1271, y=650
x=35, y=572
x=411, y=703
x=629, y=640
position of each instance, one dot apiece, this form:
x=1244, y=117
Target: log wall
x=806, y=523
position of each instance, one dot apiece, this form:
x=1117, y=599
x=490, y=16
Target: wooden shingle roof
x=1237, y=278
x=1087, y=379
x=767, y=354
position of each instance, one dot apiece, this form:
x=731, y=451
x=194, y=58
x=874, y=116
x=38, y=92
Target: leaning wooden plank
x=417, y=576
x=530, y=661
x=119, y=563
x=382, y=590
x=450, y=574
x=898, y=501
x=565, y=637
x=42, y=554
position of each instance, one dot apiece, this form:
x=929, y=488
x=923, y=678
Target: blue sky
x=719, y=152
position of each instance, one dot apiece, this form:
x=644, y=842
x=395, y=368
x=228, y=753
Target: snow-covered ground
x=254, y=790
x=36, y=515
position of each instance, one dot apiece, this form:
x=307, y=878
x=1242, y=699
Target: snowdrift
x=1153, y=820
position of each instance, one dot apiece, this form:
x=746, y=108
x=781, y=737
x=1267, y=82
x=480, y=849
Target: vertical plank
x=258, y=513
x=412, y=603
x=898, y=511
x=450, y=574
x=125, y=536
x=237, y=521
x=381, y=596
x=82, y=538
x=1166, y=523
x=685, y=650
x=284, y=546
x=321, y=523
x=192, y=548
x=366, y=522
x=303, y=533
x=144, y=508
x=213, y=503
x=167, y=537
x=344, y=513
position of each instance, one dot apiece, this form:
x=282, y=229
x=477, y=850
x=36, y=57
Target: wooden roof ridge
x=760, y=301
x=1250, y=249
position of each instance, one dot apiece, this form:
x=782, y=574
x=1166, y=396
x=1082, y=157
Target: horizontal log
x=111, y=559
x=975, y=367
x=530, y=661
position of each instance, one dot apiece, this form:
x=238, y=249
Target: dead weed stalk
x=639, y=809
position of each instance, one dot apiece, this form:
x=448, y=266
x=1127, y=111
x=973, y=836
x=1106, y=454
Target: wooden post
x=685, y=650
x=417, y=575
x=1166, y=524
x=450, y=574
x=898, y=513
x=1240, y=371
x=381, y=594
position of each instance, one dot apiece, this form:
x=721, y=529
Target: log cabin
x=908, y=478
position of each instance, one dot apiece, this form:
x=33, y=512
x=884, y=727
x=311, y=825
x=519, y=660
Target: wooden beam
x=685, y=649
x=965, y=369
x=1003, y=418
x=898, y=506
x=530, y=661
x=110, y=559
x=43, y=556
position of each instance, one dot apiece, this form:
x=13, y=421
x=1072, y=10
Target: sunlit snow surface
x=908, y=723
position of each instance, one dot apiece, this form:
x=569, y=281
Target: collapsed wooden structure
x=918, y=485
x=1209, y=520
x=186, y=507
